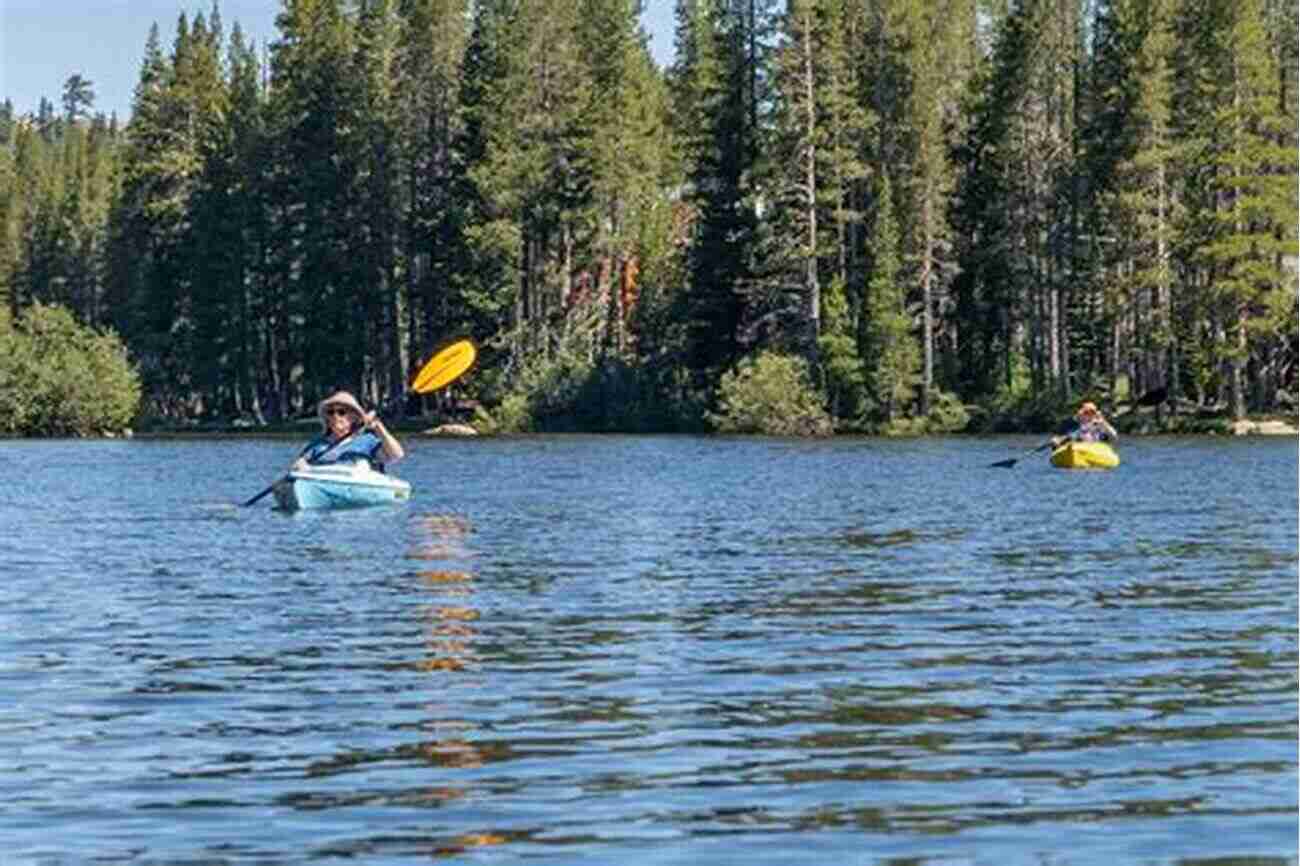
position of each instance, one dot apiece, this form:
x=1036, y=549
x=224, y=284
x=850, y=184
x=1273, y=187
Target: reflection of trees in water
x=464, y=842
x=439, y=536
x=449, y=628
x=448, y=620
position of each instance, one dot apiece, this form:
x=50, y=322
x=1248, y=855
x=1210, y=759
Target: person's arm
x=301, y=462
x=391, y=447
x=1106, y=427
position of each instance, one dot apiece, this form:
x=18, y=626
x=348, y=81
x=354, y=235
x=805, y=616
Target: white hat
x=339, y=398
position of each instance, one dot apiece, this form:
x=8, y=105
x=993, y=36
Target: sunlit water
x=613, y=650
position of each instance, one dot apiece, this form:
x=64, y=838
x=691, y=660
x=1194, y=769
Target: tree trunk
x=812, y=309
x=927, y=300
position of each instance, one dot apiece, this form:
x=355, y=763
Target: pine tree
x=934, y=43
x=1239, y=184
x=843, y=378
x=78, y=98
x=628, y=159
x=1255, y=185
x=431, y=68
x=786, y=293
x=1132, y=167
x=160, y=172
x=720, y=94
x=27, y=208
x=530, y=169
x=888, y=348
x=313, y=289
x=382, y=194
x=9, y=206
x=989, y=287
x=248, y=213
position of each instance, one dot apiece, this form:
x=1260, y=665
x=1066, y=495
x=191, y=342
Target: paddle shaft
x=258, y=497
x=1064, y=430
x=1012, y=461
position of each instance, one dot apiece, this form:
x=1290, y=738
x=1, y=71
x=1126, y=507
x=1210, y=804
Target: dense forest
x=921, y=214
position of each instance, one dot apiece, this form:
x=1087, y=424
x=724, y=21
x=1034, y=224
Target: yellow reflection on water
x=462, y=843
x=439, y=536
x=448, y=620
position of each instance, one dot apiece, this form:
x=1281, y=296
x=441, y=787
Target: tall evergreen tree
x=315, y=343
x=247, y=150
x=720, y=93
x=889, y=350
x=160, y=173
x=1250, y=193
x=380, y=279
x=786, y=296
x=431, y=65
x=1132, y=165
x=989, y=286
x=530, y=152
x=934, y=43
x=628, y=160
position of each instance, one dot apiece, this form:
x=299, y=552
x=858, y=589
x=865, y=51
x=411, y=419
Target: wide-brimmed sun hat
x=339, y=398
x=1087, y=407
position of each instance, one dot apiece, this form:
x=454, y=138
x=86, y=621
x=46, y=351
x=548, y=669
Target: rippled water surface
x=653, y=650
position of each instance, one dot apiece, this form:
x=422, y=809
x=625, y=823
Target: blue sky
x=44, y=42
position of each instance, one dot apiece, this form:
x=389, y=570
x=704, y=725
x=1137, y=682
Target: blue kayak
x=342, y=485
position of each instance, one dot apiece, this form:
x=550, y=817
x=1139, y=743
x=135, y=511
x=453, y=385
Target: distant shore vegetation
x=62, y=378
x=893, y=217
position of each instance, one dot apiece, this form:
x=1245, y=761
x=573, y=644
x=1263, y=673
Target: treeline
x=934, y=206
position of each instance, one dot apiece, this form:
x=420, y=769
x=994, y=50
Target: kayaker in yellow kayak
x=349, y=434
x=1090, y=426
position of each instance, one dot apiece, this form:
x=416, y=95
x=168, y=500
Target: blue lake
x=646, y=650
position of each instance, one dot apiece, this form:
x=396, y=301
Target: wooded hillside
x=1006, y=205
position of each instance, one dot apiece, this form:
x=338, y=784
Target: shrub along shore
x=59, y=378
x=1139, y=422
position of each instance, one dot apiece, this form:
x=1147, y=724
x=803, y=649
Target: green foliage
x=59, y=378
x=947, y=414
x=841, y=366
x=1012, y=410
x=887, y=346
x=772, y=395
x=567, y=393
x=1064, y=211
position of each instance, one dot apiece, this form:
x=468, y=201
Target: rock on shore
x=1262, y=428
x=452, y=430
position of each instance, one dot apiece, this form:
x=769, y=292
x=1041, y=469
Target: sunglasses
x=337, y=410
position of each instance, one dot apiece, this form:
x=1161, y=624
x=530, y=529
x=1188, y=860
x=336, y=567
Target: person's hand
x=299, y=465
x=372, y=422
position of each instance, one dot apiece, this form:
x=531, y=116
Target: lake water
x=639, y=650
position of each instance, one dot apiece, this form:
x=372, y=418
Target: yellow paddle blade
x=445, y=367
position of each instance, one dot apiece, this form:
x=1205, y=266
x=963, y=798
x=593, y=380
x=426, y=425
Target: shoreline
x=1238, y=429
x=1137, y=424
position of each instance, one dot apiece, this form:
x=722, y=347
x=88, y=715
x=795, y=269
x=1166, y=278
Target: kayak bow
x=1085, y=455
x=342, y=485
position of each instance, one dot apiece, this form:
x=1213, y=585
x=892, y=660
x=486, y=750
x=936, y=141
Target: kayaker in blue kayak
x=1089, y=425
x=349, y=434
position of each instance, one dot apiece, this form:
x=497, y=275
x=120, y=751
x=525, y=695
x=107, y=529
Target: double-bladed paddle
x=446, y=366
x=1064, y=430
x=1150, y=398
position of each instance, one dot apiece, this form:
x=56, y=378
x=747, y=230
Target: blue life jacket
x=364, y=446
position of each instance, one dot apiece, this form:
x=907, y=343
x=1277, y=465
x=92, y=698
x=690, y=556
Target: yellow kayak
x=1085, y=455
